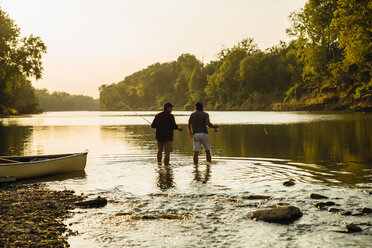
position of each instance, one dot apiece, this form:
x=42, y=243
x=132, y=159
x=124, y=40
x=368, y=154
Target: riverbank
x=33, y=215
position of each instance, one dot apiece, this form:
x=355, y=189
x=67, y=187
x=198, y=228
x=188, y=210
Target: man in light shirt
x=198, y=122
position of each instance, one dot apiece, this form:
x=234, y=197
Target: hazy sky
x=95, y=42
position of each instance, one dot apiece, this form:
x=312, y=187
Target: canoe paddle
x=9, y=160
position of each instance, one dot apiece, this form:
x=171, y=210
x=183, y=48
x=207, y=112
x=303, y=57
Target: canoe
x=22, y=167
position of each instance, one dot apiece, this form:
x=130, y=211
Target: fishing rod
x=136, y=113
x=266, y=131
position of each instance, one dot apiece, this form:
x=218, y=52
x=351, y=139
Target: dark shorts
x=165, y=145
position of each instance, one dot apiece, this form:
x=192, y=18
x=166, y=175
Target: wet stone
x=358, y=214
x=284, y=215
x=256, y=197
x=94, y=203
x=322, y=205
x=289, y=183
x=353, y=228
x=368, y=192
x=335, y=210
x=154, y=216
x=317, y=196
x=367, y=210
x=346, y=213
x=281, y=204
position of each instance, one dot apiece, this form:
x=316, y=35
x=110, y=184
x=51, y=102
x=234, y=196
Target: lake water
x=253, y=153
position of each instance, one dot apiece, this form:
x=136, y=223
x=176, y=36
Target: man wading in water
x=165, y=124
x=198, y=122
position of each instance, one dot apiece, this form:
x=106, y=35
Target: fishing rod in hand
x=136, y=113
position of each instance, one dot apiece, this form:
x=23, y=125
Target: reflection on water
x=253, y=152
x=165, y=178
x=334, y=142
x=202, y=176
x=14, y=139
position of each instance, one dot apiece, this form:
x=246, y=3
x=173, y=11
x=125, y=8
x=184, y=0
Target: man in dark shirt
x=198, y=122
x=165, y=124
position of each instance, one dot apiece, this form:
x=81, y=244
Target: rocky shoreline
x=33, y=215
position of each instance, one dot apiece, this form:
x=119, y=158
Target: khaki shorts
x=201, y=139
x=166, y=145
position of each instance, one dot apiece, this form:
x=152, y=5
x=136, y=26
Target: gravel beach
x=33, y=215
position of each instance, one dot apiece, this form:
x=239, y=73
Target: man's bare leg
x=209, y=157
x=196, y=157
x=159, y=156
x=166, y=158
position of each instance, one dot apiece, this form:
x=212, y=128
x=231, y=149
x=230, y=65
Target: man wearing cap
x=198, y=122
x=165, y=124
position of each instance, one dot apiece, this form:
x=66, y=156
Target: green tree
x=197, y=83
x=20, y=59
x=316, y=37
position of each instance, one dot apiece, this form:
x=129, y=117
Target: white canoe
x=22, y=167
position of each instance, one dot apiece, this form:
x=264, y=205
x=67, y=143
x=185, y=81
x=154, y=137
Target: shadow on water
x=56, y=178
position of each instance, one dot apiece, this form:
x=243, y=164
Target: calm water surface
x=254, y=152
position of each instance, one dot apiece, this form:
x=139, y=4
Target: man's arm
x=153, y=124
x=190, y=130
x=209, y=124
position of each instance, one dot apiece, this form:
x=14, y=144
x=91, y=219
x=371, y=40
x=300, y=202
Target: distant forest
x=62, y=101
x=326, y=66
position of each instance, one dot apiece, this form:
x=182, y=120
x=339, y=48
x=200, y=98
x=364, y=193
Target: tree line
x=62, y=101
x=326, y=66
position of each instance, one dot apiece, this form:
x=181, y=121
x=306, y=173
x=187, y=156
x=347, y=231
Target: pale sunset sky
x=95, y=42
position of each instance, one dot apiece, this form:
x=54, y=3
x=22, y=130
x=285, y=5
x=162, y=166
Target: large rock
x=95, y=203
x=317, y=196
x=283, y=215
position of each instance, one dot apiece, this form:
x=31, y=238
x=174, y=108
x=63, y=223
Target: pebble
x=99, y=202
x=256, y=197
x=368, y=192
x=346, y=213
x=367, y=210
x=321, y=205
x=335, y=210
x=289, y=183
